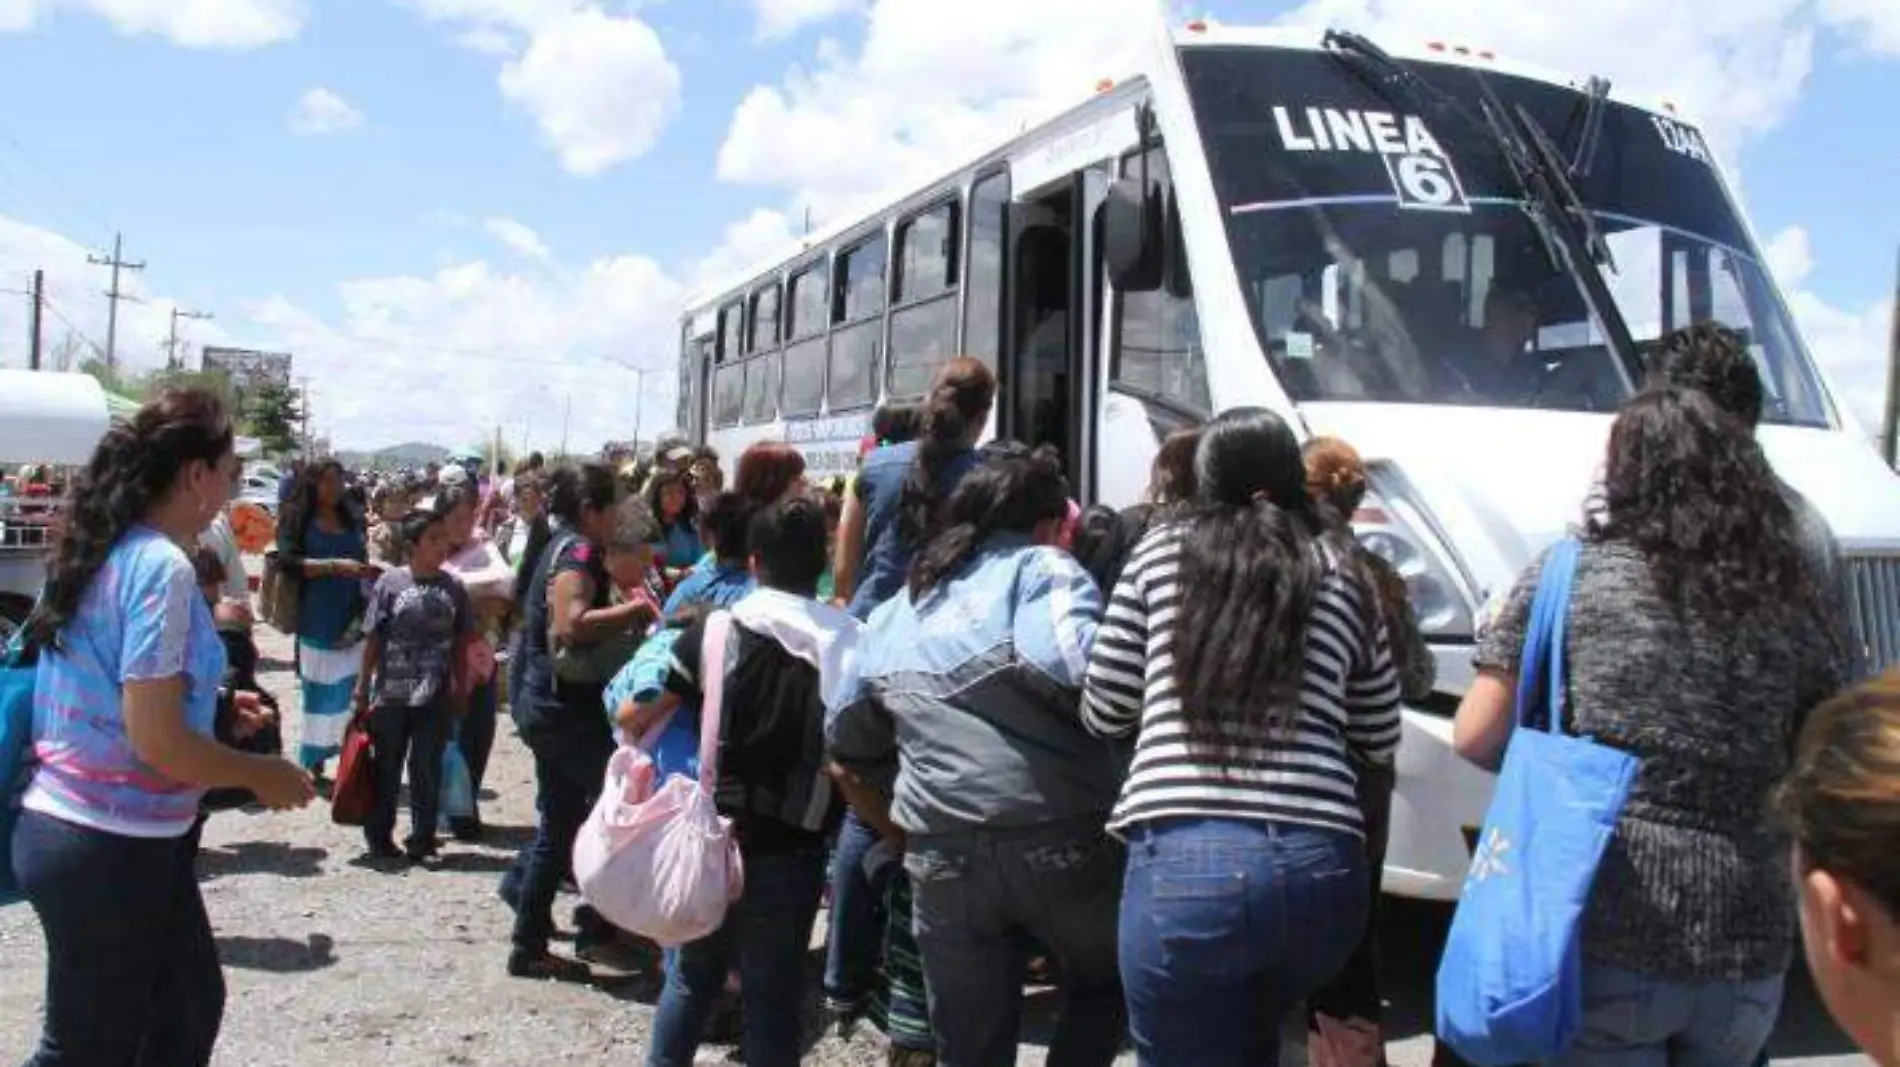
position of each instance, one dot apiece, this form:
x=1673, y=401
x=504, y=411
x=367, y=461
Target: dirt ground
x=333, y=960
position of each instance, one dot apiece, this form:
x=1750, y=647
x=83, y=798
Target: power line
x=48, y=304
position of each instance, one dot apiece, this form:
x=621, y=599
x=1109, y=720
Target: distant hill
x=411, y=454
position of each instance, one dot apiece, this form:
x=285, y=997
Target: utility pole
x=172, y=362
x=38, y=297
x=566, y=410
x=1890, y=426
x=114, y=295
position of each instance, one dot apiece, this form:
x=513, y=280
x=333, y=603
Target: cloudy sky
x=459, y=213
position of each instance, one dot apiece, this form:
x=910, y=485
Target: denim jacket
x=977, y=688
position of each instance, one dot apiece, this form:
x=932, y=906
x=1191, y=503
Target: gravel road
x=332, y=960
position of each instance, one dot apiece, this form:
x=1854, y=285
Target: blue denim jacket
x=977, y=689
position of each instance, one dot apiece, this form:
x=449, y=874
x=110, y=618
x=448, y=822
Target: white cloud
x=1876, y=23
x=600, y=85
x=745, y=244
x=780, y=18
x=191, y=23
x=1850, y=343
x=448, y=357
x=520, y=237
x=444, y=356
x=320, y=111
x=915, y=97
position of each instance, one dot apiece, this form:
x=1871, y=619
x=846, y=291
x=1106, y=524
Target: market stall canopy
x=48, y=417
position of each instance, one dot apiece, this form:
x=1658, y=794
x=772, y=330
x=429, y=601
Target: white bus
x=1449, y=260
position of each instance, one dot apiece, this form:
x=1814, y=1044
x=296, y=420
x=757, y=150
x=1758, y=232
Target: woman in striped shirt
x=1247, y=878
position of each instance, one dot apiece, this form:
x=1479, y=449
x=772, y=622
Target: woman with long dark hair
x=125, y=704
x=671, y=499
x=1696, y=641
x=322, y=545
x=969, y=686
x=898, y=493
x=1247, y=653
x=568, y=603
x=903, y=487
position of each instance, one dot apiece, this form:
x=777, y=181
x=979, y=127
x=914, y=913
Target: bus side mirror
x=1132, y=245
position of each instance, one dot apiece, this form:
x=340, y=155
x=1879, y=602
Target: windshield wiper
x=1564, y=226
x=1595, y=92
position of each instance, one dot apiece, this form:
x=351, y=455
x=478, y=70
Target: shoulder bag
x=1510, y=982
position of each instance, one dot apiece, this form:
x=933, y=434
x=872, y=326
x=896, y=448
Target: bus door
x=1053, y=298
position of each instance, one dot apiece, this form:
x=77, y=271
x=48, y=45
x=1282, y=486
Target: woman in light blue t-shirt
x=124, y=700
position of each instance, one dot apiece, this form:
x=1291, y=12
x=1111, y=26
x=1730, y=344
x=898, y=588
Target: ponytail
x=1007, y=494
x=959, y=402
x=1251, y=569
x=132, y=469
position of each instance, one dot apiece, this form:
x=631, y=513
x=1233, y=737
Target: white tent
x=48, y=417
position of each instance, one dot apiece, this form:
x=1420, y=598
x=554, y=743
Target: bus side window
x=924, y=322
x=1158, y=350
x=983, y=306
x=729, y=372
x=762, y=370
x=803, y=391
x=857, y=311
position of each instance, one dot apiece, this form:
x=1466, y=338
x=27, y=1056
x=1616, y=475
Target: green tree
x=272, y=416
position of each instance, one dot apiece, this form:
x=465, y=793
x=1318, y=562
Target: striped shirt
x=1349, y=706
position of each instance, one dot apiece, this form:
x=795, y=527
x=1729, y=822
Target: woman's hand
x=281, y=785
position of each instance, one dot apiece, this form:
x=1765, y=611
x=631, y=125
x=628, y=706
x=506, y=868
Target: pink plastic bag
x=662, y=862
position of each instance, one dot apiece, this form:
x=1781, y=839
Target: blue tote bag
x=1510, y=981
x=17, y=667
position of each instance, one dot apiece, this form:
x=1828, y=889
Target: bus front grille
x=1873, y=612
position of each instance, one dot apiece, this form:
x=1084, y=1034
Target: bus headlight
x=1391, y=526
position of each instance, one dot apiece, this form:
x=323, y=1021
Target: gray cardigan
x=1694, y=886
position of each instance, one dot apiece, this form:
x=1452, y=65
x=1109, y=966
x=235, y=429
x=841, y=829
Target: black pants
x=132, y=974
x=569, y=764
x=416, y=736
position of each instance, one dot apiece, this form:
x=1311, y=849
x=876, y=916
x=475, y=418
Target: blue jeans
x=568, y=769
x=856, y=937
x=979, y=897
x=132, y=973
x=1632, y=1020
x=1228, y=924
x=768, y=930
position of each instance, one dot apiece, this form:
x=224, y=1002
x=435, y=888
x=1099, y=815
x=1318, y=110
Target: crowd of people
x=1144, y=754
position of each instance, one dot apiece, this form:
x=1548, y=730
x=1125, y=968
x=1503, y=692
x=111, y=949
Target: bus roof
x=1196, y=34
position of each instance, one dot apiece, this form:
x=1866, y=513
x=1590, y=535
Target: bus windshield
x=1388, y=256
